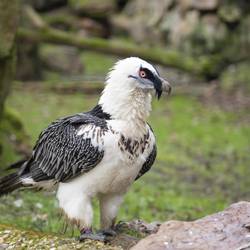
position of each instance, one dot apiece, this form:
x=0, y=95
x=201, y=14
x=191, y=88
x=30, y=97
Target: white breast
x=118, y=168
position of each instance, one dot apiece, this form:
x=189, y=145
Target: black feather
x=149, y=161
x=9, y=183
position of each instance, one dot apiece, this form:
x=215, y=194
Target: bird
x=99, y=153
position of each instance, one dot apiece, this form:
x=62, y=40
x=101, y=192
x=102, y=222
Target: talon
x=92, y=236
x=108, y=232
x=86, y=231
x=102, y=235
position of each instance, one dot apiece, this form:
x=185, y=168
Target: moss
x=93, y=8
x=236, y=76
x=11, y=238
x=230, y=13
x=11, y=133
x=8, y=24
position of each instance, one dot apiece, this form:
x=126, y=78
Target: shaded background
x=202, y=130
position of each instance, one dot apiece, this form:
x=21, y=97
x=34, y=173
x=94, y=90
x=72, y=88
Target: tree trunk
x=9, y=12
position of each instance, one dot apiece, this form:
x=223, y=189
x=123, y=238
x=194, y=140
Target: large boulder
x=229, y=229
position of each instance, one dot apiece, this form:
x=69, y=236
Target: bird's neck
x=132, y=106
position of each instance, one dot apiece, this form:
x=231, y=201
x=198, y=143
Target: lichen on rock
x=11, y=238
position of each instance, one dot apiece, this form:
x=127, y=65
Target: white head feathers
x=129, y=85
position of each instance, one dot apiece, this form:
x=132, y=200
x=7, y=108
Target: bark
x=8, y=25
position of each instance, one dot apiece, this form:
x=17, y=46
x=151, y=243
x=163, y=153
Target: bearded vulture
x=99, y=153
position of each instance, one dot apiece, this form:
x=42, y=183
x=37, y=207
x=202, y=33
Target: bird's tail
x=10, y=183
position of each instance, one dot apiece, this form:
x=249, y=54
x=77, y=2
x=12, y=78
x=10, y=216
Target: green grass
x=202, y=163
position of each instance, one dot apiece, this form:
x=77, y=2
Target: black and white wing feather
x=61, y=153
x=150, y=159
x=148, y=163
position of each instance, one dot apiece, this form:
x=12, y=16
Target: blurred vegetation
x=202, y=131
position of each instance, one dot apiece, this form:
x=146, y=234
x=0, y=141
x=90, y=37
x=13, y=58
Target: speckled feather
x=148, y=163
x=60, y=154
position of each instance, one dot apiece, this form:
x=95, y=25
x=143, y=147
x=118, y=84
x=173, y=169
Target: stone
x=224, y=230
x=93, y=8
x=230, y=13
x=209, y=35
x=178, y=27
x=144, y=19
x=60, y=58
x=202, y=5
x=205, y=5
x=184, y=5
x=45, y=5
x=28, y=61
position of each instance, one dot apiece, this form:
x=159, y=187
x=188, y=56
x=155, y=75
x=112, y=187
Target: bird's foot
x=102, y=235
x=108, y=232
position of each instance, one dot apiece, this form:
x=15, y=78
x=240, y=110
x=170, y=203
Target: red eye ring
x=142, y=74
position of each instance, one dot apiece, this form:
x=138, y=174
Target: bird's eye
x=142, y=74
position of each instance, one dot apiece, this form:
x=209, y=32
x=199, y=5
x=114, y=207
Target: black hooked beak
x=161, y=85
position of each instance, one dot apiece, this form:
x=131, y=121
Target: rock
x=202, y=5
x=44, y=5
x=244, y=36
x=178, y=27
x=93, y=8
x=228, y=229
x=64, y=19
x=63, y=59
x=139, y=226
x=230, y=13
x=184, y=5
x=209, y=35
x=196, y=27
x=28, y=61
x=205, y=5
x=143, y=19
x=93, y=28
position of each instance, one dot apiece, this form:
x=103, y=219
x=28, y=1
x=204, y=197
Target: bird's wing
x=150, y=159
x=67, y=148
x=148, y=163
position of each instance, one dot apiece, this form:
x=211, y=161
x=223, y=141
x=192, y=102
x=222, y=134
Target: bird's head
x=134, y=73
x=129, y=85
